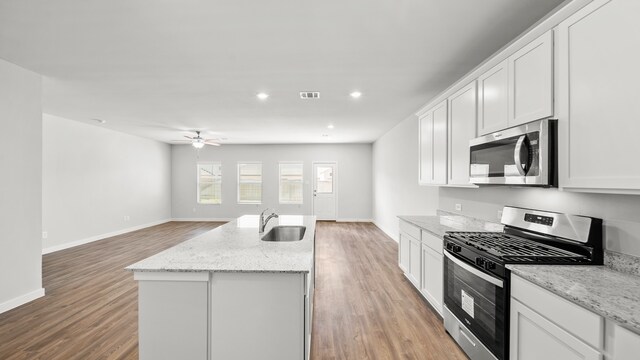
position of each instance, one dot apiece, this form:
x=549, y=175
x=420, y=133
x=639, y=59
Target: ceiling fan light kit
x=198, y=143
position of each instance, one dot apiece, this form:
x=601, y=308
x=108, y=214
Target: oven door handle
x=495, y=281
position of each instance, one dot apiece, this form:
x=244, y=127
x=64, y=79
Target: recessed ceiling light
x=100, y=121
x=355, y=94
x=262, y=96
x=330, y=126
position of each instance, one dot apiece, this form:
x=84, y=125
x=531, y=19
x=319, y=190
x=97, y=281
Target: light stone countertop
x=237, y=247
x=438, y=225
x=609, y=293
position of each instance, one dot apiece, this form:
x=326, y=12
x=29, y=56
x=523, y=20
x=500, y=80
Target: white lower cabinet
x=225, y=315
x=621, y=343
x=415, y=268
x=533, y=337
x=409, y=252
x=173, y=315
x=403, y=252
x=420, y=258
x=545, y=326
x=258, y=316
x=432, y=277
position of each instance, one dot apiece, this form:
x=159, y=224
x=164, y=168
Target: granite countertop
x=439, y=224
x=612, y=294
x=237, y=247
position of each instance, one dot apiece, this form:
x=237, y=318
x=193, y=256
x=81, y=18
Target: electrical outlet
x=194, y=209
x=499, y=214
x=458, y=207
x=127, y=218
x=45, y=234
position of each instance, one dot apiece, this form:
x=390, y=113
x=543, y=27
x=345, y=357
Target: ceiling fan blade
x=189, y=137
x=211, y=143
x=182, y=141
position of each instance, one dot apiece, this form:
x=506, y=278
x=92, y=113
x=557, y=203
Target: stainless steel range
x=476, y=282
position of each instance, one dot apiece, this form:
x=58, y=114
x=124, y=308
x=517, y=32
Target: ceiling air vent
x=309, y=94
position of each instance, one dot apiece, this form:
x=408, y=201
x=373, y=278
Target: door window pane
x=324, y=180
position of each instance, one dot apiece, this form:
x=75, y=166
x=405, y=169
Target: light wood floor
x=364, y=308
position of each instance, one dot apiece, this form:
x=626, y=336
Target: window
x=210, y=183
x=291, y=184
x=250, y=183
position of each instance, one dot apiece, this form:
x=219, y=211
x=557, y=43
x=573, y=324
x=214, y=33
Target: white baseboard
x=20, y=300
x=354, y=220
x=204, y=219
x=68, y=245
x=392, y=236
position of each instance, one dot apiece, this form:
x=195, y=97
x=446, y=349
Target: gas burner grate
x=515, y=249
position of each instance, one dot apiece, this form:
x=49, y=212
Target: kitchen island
x=227, y=294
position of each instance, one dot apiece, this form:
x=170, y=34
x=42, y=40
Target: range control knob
x=456, y=248
x=489, y=265
x=480, y=261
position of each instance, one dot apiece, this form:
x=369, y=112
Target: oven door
x=479, y=301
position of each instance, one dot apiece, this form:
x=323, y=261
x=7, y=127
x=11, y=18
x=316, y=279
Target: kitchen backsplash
x=621, y=213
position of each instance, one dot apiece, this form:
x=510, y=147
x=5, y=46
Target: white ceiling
x=155, y=67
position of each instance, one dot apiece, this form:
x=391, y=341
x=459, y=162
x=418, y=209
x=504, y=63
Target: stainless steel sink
x=285, y=233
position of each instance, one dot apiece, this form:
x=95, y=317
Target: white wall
x=94, y=177
x=20, y=186
x=353, y=178
x=395, y=178
x=621, y=213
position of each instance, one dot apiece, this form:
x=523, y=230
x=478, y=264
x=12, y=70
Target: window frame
x=198, y=164
x=246, y=202
x=301, y=163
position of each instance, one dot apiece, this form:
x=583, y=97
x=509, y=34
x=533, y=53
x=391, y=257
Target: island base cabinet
x=172, y=315
x=258, y=316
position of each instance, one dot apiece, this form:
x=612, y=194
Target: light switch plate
x=458, y=207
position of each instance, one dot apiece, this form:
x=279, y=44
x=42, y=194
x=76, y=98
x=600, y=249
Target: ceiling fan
x=198, y=141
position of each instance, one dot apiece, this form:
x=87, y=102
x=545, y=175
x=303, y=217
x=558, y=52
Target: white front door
x=324, y=191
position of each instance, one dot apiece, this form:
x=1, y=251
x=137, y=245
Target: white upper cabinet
x=598, y=107
x=531, y=81
x=493, y=99
x=433, y=146
x=425, y=147
x=461, y=129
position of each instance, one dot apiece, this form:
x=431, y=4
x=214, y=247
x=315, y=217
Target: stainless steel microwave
x=524, y=155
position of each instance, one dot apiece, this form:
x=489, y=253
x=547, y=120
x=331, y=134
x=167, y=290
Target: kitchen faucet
x=263, y=221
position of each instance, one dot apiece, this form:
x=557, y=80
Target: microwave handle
x=516, y=155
